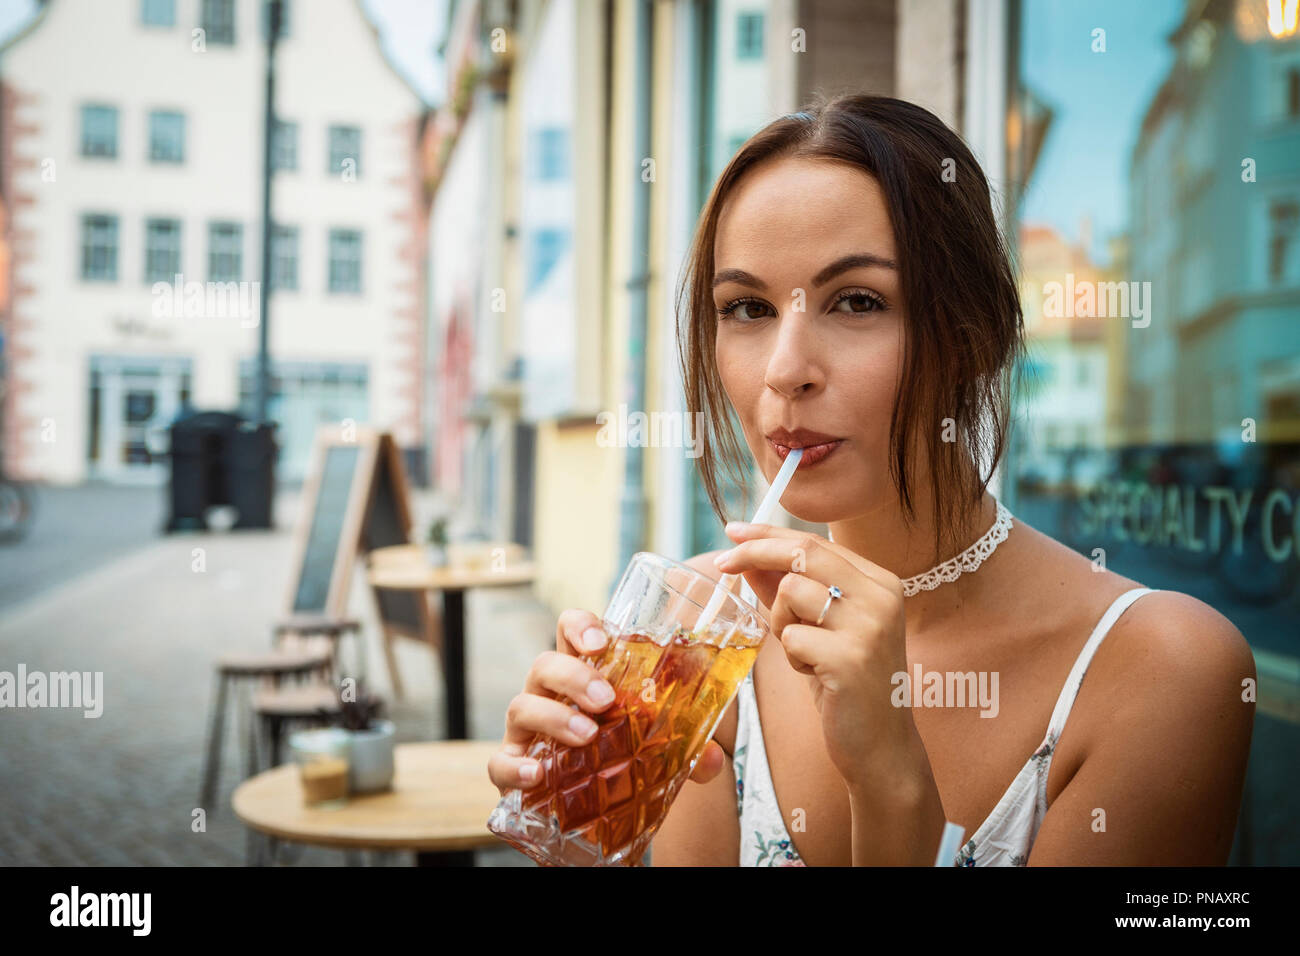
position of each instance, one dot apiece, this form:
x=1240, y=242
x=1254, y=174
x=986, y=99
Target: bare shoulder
x=1170, y=644
x=1162, y=727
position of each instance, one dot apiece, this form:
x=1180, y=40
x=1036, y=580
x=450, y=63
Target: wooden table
x=404, y=568
x=438, y=807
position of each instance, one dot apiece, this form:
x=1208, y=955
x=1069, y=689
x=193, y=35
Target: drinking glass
x=599, y=804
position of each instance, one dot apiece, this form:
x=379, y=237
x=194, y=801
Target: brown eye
x=860, y=302
x=748, y=305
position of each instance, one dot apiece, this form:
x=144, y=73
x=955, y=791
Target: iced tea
x=609, y=796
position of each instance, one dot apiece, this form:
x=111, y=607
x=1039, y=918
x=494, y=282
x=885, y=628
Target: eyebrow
x=842, y=264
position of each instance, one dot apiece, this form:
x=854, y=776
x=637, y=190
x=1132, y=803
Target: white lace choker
x=967, y=561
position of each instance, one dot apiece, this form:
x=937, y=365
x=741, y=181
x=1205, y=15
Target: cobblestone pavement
x=121, y=789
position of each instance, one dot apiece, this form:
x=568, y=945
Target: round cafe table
x=438, y=807
x=404, y=568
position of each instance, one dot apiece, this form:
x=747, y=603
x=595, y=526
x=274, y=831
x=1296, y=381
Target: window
x=162, y=250
x=166, y=137
x=284, y=146
x=158, y=13
x=99, y=248
x=284, y=19
x=345, y=260
x=749, y=36
x=547, y=247
x=344, y=145
x=551, y=154
x=219, y=21
x=99, y=131
x=225, y=251
x=284, y=257
x=1283, y=217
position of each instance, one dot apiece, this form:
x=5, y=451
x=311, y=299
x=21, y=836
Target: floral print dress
x=1004, y=839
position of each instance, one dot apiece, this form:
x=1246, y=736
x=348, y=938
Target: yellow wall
x=576, y=521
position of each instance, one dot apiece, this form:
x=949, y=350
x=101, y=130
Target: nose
x=793, y=368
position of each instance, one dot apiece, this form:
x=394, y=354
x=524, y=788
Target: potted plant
x=370, y=764
x=437, y=548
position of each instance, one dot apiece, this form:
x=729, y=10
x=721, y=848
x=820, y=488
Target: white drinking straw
x=761, y=516
x=948, y=843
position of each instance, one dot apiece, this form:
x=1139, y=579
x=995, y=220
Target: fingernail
x=735, y=526
x=722, y=559
x=600, y=692
x=593, y=638
x=584, y=727
x=528, y=772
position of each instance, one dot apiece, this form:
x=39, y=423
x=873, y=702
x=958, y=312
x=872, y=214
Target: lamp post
x=274, y=12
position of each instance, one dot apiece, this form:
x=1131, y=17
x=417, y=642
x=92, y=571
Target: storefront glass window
x=1154, y=189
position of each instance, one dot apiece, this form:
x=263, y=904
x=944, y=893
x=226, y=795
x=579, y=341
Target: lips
x=817, y=446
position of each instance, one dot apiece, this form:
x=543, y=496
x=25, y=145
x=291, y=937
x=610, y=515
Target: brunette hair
x=964, y=327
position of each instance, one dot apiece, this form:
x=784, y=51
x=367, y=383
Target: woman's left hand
x=850, y=658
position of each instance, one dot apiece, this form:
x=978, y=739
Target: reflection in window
x=218, y=21
x=1283, y=215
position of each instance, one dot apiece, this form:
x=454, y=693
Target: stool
x=318, y=625
x=275, y=665
x=275, y=708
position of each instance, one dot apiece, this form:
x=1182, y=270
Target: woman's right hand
x=536, y=708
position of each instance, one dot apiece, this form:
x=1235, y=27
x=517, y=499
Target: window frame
x=150, y=222
x=84, y=246
x=206, y=24
x=283, y=129
x=744, y=53
x=333, y=283
x=237, y=229
x=280, y=235
x=145, y=6
x=86, y=110
x=154, y=117
x=336, y=168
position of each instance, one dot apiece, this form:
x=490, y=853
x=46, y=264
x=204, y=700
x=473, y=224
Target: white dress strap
x=1075, y=680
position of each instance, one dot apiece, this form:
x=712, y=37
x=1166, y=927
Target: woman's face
x=812, y=335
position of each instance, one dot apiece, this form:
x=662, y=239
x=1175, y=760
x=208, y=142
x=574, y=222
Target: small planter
x=437, y=555
x=370, y=767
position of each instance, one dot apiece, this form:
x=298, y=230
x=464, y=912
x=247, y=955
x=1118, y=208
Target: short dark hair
x=964, y=330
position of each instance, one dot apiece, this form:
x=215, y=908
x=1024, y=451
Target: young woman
x=849, y=294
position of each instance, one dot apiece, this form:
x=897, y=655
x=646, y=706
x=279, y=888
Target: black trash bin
x=220, y=458
x=252, y=473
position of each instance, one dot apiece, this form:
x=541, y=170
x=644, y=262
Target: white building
x=132, y=139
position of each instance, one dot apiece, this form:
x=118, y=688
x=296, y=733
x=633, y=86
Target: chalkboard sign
x=355, y=499
x=388, y=523
x=328, y=512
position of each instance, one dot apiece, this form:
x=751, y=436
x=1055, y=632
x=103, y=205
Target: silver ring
x=832, y=592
